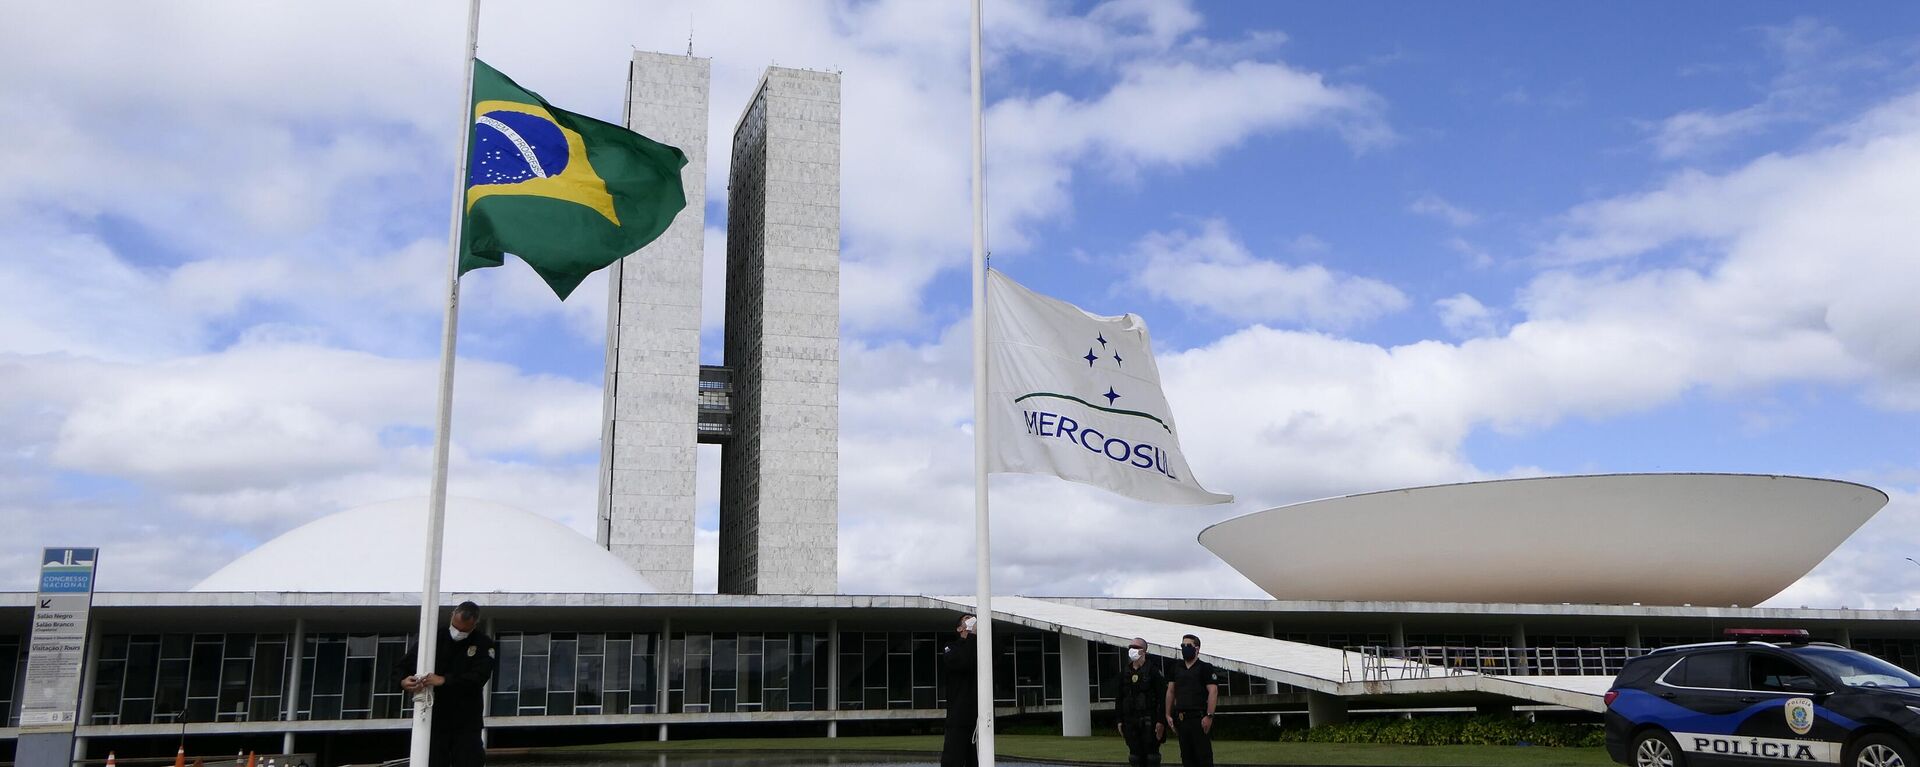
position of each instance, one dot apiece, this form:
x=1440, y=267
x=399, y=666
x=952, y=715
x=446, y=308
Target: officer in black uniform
x=958, y=663
x=462, y=664
x=1140, y=703
x=1194, y=691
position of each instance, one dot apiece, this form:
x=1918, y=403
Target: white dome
x=490, y=547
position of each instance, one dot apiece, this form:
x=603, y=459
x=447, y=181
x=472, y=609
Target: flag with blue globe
x=566, y=193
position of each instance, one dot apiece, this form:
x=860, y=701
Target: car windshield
x=1856, y=669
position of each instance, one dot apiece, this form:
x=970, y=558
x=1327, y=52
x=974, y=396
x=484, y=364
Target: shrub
x=1486, y=730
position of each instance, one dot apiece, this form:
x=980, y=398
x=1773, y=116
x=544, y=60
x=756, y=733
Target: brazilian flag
x=566, y=193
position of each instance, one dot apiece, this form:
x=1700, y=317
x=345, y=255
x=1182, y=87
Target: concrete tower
x=779, y=488
x=653, y=344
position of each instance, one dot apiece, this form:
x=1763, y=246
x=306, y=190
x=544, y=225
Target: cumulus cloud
x=1211, y=271
x=1464, y=316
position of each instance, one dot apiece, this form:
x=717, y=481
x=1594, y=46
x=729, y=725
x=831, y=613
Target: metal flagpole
x=983, y=599
x=426, y=640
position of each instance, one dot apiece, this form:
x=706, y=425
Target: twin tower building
x=773, y=406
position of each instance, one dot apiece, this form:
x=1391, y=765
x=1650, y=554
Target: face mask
x=1189, y=652
x=1135, y=654
x=457, y=634
x=967, y=624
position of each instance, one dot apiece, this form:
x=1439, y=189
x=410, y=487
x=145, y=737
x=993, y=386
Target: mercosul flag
x=566, y=193
x=1077, y=395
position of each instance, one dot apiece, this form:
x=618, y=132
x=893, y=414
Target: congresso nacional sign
x=57, y=652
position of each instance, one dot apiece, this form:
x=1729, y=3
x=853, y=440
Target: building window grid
x=13, y=673
x=165, y=678
x=727, y=671
x=566, y=673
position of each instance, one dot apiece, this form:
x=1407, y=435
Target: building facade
x=318, y=672
x=779, y=477
x=650, y=424
x=773, y=406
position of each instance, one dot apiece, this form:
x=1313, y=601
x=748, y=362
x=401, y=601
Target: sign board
x=57, y=653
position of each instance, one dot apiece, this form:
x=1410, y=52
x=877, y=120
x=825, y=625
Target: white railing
x=1368, y=663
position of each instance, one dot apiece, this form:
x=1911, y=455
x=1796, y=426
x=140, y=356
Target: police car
x=1766, y=697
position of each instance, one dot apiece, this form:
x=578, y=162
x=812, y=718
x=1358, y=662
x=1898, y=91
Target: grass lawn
x=1102, y=750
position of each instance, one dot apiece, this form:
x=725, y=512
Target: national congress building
x=1522, y=594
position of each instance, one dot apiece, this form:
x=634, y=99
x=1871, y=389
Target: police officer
x=463, y=662
x=1194, y=691
x=958, y=663
x=1141, y=705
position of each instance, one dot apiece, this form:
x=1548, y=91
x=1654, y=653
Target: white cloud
x=1211, y=271
x=1435, y=206
x=1464, y=316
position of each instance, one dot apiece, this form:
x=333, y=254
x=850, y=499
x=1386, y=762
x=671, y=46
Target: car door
x=1710, y=689
x=1785, y=721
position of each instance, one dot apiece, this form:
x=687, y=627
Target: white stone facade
x=779, y=498
x=653, y=344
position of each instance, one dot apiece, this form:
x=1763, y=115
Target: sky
x=1379, y=245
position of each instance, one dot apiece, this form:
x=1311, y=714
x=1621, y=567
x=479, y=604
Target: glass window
x=330, y=659
x=1776, y=674
x=107, y=681
x=268, y=658
x=1857, y=669
x=143, y=662
x=1714, y=670
x=233, y=687
x=588, y=684
x=204, y=677
x=170, y=689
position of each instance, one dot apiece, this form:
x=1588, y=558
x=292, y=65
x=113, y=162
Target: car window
x=1858, y=669
x=1773, y=673
x=1717, y=670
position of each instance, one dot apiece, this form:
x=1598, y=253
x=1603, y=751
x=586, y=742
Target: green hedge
x=1452, y=731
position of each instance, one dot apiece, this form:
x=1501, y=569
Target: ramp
x=1311, y=667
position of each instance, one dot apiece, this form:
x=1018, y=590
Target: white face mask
x=457, y=634
x=967, y=624
x=1135, y=654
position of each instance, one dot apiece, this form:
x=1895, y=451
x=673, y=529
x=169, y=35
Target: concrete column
x=1076, y=719
x=1273, y=685
x=295, y=648
x=486, y=691
x=1323, y=709
x=1521, y=665
x=1633, y=635
x=87, y=680
x=833, y=676
x=1397, y=634
x=660, y=687
x=1844, y=637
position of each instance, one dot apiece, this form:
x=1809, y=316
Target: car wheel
x=1656, y=749
x=1879, y=750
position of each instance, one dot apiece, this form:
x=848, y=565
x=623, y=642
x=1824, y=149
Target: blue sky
x=1379, y=245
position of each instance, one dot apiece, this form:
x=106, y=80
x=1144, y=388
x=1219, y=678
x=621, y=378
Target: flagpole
x=426, y=639
x=983, y=584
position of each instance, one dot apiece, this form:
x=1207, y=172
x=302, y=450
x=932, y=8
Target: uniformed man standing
x=958, y=663
x=462, y=664
x=1191, y=697
x=1141, y=705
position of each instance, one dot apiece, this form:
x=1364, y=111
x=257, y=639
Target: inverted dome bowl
x=1667, y=539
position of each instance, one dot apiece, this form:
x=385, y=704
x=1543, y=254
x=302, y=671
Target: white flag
x=1077, y=395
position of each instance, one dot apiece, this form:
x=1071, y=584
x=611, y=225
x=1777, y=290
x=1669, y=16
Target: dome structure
x=1658, y=539
x=489, y=548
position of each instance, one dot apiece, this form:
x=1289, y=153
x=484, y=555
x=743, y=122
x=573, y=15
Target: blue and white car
x=1768, y=697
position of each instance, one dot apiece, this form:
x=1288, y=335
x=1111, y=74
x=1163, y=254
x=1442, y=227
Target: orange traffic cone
x=250, y=761
x=180, y=757
x=110, y=759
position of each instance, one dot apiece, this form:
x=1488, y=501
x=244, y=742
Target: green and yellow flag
x=566, y=193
